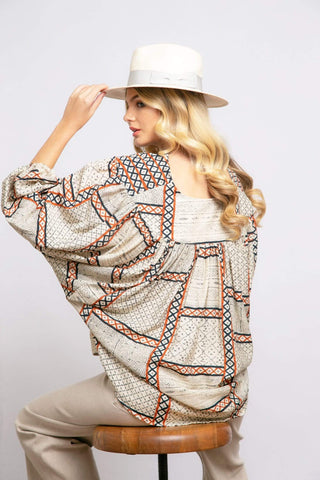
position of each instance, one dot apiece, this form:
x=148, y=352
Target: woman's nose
x=128, y=116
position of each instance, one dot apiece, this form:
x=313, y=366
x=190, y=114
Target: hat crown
x=167, y=57
x=166, y=65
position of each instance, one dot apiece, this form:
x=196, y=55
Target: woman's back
x=155, y=277
x=185, y=177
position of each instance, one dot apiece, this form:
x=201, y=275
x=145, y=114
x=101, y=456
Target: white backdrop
x=263, y=56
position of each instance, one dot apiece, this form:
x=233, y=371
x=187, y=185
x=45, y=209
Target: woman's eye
x=140, y=104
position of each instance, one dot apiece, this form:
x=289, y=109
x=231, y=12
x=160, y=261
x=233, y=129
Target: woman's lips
x=135, y=132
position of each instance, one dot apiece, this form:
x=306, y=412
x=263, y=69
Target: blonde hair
x=184, y=125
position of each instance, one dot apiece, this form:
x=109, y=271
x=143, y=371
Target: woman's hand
x=82, y=104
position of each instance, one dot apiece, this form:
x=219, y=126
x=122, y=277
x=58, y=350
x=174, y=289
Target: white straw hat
x=166, y=65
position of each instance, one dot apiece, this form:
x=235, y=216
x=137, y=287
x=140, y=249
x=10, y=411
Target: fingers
x=82, y=104
x=89, y=90
x=89, y=94
x=79, y=88
x=98, y=99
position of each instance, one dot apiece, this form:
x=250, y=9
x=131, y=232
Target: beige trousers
x=56, y=431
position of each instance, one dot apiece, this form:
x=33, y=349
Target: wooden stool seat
x=161, y=440
x=151, y=440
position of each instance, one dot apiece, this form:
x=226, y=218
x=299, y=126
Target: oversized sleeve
x=250, y=235
x=60, y=214
x=248, y=241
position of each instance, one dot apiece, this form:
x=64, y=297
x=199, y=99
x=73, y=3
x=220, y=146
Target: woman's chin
x=138, y=143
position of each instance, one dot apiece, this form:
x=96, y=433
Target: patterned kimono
x=153, y=274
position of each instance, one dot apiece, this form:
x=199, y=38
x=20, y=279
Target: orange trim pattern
x=108, y=232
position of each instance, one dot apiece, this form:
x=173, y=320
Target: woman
x=156, y=251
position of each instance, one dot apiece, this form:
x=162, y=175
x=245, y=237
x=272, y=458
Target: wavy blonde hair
x=184, y=125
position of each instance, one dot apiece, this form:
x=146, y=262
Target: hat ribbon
x=152, y=77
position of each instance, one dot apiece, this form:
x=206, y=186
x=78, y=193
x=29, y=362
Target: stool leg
x=163, y=466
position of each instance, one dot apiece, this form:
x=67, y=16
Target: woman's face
x=141, y=119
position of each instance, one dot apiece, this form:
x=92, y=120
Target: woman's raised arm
x=81, y=105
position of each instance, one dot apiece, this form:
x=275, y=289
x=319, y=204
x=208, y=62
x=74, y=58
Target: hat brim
x=212, y=101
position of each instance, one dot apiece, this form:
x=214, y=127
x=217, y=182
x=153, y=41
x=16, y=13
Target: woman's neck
x=184, y=175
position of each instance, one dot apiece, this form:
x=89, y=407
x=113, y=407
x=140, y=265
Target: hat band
x=154, y=78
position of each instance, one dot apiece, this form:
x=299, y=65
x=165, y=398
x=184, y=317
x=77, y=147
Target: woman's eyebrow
x=132, y=98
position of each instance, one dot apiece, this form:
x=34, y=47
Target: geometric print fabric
x=163, y=291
